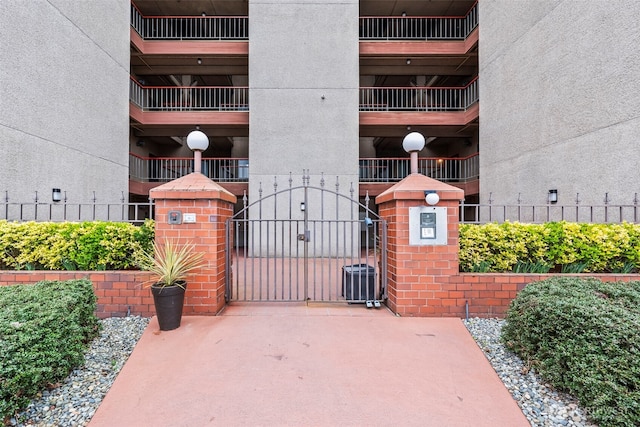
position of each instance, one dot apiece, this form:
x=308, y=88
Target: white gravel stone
x=75, y=401
x=541, y=404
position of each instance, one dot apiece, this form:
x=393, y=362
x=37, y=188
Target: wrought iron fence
x=419, y=98
x=189, y=98
x=190, y=27
x=418, y=27
x=607, y=213
x=135, y=213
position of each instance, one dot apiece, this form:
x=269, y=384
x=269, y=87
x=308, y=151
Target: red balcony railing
x=372, y=170
x=189, y=98
x=236, y=98
x=162, y=169
x=443, y=169
x=190, y=27
x=419, y=98
x=419, y=27
x=371, y=27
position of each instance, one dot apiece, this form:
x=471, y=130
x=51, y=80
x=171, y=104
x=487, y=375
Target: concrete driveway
x=297, y=365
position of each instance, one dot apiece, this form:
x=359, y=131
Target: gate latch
x=306, y=237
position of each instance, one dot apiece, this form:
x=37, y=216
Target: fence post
x=422, y=267
x=209, y=206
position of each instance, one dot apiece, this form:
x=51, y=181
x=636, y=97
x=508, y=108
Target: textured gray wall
x=559, y=104
x=64, y=79
x=303, y=87
x=301, y=51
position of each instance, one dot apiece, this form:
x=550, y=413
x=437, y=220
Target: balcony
x=419, y=28
x=188, y=98
x=189, y=27
x=376, y=174
x=419, y=98
x=416, y=28
x=236, y=99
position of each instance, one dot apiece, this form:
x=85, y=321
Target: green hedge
x=44, y=330
x=95, y=245
x=583, y=336
x=555, y=246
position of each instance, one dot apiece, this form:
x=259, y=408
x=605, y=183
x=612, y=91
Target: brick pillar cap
x=413, y=187
x=192, y=186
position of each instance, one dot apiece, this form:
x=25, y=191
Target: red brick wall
x=488, y=294
x=206, y=288
x=118, y=292
x=415, y=273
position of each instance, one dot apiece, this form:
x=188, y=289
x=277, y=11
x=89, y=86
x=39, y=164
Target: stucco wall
x=303, y=85
x=559, y=106
x=64, y=99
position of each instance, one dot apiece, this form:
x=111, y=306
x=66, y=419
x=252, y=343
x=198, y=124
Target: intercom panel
x=427, y=225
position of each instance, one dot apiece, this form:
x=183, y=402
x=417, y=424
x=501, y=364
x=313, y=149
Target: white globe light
x=197, y=140
x=413, y=142
x=432, y=198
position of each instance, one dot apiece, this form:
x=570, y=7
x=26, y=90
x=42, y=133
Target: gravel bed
x=540, y=403
x=75, y=401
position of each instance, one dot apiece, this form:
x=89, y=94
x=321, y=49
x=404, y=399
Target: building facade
x=98, y=97
x=559, y=109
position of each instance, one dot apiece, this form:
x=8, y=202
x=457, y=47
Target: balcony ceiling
x=367, y=7
x=415, y=7
x=193, y=7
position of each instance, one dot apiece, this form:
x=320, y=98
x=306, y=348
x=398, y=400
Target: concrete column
x=304, y=101
x=209, y=206
x=421, y=278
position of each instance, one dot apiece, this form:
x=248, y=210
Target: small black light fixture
x=199, y=61
x=553, y=196
x=204, y=13
x=140, y=143
x=408, y=61
x=404, y=13
x=56, y=194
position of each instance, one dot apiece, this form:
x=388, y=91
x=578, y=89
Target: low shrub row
x=562, y=247
x=583, y=336
x=95, y=245
x=44, y=330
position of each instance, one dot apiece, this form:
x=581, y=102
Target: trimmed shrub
x=44, y=330
x=557, y=246
x=583, y=336
x=95, y=245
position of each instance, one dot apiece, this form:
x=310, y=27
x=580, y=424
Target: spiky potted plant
x=170, y=264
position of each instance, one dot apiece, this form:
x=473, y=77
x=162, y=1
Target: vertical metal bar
x=306, y=244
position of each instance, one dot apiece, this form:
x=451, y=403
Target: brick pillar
x=421, y=278
x=205, y=206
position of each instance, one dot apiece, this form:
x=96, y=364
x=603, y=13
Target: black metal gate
x=306, y=243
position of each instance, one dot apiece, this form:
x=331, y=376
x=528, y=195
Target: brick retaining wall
x=118, y=292
x=488, y=294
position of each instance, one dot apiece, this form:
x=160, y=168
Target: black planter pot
x=168, y=301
